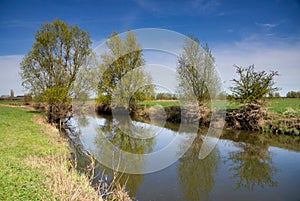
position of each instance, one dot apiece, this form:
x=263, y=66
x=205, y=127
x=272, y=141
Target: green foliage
x=253, y=86
x=27, y=98
x=196, y=71
x=49, y=70
x=56, y=95
x=122, y=79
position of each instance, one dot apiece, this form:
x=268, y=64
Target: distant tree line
x=293, y=94
x=166, y=96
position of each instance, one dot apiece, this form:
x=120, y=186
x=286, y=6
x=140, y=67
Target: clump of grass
x=63, y=181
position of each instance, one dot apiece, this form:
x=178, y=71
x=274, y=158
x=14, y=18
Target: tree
x=49, y=70
x=121, y=76
x=252, y=85
x=12, y=94
x=196, y=71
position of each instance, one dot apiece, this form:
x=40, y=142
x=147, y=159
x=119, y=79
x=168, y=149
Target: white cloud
x=9, y=76
x=283, y=58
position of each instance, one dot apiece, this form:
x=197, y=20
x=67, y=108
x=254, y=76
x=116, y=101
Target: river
x=243, y=165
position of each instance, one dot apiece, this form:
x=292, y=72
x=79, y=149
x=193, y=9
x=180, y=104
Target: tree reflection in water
x=117, y=132
x=197, y=176
x=251, y=165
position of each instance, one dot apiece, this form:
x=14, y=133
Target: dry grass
x=63, y=181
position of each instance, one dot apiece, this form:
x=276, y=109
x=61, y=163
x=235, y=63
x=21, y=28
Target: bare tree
x=196, y=71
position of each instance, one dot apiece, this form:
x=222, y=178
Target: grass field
x=33, y=165
x=11, y=102
x=285, y=106
x=281, y=106
x=164, y=103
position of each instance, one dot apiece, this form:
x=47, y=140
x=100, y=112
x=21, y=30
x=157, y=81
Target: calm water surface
x=243, y=165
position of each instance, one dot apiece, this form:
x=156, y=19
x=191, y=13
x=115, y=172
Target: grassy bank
x=278, y=115
x=34, y=162
x=281, y=106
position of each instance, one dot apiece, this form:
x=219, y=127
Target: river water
x=243, y=165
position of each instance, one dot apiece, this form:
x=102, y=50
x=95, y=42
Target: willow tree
x=123, y=81
x=196, y=71
x=49, y=70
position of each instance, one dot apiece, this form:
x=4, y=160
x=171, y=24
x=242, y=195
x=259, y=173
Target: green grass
x=164, y=103
x=284, y=106
x=20, y=139
x=11, y=102
x=34, y=162
x=169, y=103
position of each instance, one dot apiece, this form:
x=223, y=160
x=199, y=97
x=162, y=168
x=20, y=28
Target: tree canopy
x=122, y=78
x=49, y=70
x=196, y=71
x=252, y=86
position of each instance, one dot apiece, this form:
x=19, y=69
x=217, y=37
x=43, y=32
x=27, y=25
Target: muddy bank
x=173, y=114
x=253, y=117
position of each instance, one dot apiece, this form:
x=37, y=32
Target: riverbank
x=35, y=160
x=277, y=116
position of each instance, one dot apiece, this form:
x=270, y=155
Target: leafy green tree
x=124, y=57
x=196, y=71
x=49, y=70
x=252, y=85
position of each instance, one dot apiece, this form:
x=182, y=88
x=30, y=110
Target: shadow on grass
x=34, y=112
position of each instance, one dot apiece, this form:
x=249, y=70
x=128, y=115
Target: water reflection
x=116, y=131
x=246, y=161
x=83, y=121
x=197, y=176
x=251, y=165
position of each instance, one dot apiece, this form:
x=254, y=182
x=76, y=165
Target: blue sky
x=264, y=33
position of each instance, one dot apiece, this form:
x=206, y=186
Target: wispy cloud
x=190, y=7
x=267, y=25
x=280, y=56
x=20, y=23
x=205, y=5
